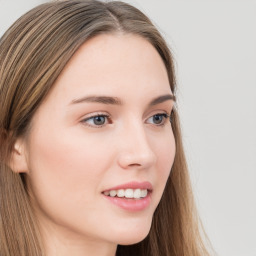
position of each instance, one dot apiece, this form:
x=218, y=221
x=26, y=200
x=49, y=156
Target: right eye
x=96, y=121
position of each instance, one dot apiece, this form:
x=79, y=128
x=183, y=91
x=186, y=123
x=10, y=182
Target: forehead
x=113, y=63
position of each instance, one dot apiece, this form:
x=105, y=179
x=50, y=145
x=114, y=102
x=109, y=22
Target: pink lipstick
x=132, y=196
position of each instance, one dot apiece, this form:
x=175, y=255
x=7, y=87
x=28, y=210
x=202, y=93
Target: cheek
x=165, y=150
x=66, y=167
x=64, y=179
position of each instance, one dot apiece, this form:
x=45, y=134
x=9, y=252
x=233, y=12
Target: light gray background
x=214, y=44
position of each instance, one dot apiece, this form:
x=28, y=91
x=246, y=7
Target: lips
x=132, y=196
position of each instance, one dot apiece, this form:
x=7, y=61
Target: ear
x=18, y=161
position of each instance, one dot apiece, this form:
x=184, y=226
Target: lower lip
x=128, y=204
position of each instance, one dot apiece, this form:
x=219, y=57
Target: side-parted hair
x=33, y=52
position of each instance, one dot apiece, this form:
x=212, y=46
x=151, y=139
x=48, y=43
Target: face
x=103, y=130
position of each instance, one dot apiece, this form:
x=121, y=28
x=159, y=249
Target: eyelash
x=165, y=117
x=85, y=121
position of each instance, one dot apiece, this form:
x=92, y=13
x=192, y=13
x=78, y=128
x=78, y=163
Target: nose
x=135, y=150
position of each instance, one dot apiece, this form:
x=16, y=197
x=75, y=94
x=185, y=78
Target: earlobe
x=18, y=161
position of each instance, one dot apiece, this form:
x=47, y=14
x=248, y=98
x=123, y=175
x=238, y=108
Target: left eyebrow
x=161, y=99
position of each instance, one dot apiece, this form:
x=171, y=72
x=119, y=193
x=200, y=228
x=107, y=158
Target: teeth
x=144, y=193
x=120, y=193
x=137, y=193
x=106, y=193
x=112, y=193
x=127, y=193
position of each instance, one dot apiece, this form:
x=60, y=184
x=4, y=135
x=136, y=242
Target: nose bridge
x=136, y=149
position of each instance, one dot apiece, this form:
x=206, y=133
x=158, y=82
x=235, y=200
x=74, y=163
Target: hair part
x=34, y=51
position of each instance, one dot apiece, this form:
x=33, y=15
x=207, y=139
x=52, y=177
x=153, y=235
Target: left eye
x=158, y=119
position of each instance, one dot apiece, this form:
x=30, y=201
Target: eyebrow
x=98, y=99
x=116, y=101
x=161, y=99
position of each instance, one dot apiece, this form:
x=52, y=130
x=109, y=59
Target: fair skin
x=72, y=158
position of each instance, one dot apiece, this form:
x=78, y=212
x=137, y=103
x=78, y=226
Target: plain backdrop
x=214, y=45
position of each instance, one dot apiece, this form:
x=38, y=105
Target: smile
x=127, y=193
x=133, y=196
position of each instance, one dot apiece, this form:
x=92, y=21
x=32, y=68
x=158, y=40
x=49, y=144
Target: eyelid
x=93, y=115
x=165, y=115
x=159, y=112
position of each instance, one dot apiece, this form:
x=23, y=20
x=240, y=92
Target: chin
x=133, y=237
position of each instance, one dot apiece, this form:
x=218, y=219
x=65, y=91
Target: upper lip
x=133, y=185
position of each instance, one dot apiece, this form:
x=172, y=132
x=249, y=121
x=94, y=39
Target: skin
x=70, y=161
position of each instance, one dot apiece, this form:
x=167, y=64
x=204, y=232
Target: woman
x=91, y=154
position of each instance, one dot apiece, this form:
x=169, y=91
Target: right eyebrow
x=99, y=99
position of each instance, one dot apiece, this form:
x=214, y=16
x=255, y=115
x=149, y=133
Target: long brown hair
x=33, y=52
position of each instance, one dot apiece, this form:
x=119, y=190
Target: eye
x=96, y=121
x=158, y=119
